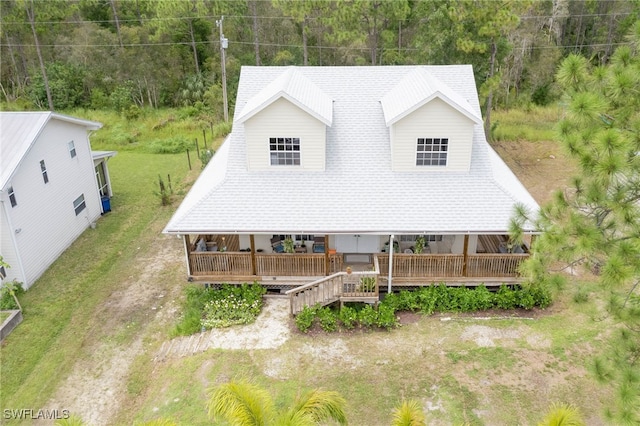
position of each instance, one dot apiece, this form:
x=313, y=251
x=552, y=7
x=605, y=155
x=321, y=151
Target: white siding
x=45, y=212
x=284, y=119
x=7, y=249
x=436, y=119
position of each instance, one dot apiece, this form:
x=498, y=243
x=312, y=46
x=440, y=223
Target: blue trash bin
x=106, y=204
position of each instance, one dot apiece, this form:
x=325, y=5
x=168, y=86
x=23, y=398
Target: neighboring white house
x=351, y=158
x=50, y=188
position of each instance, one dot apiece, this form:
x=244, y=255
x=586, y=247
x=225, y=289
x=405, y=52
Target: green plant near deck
x=305, y=318
x=232, y=305
x=418, y=246
x=367, y=284
x=288, y=245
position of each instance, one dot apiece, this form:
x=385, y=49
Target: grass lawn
x=95, y=320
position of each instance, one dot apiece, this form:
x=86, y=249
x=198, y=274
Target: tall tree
x=482, y=27
x=596, y=221
x=245, y=404
x=299, y=11
x=366, y=23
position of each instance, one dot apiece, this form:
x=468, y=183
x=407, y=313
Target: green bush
x=7, y=301
x=386, y=317
x=208, y=308
x=328, y=319
x=368, y=317
x=305, y=318
x=348, y=317
x=233, y=305
x=505, y=298
x=173, y=145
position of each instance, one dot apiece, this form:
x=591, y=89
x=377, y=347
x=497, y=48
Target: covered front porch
x=456, y=259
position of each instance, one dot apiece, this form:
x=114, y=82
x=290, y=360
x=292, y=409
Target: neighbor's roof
x=357, y=192
x=18, y=132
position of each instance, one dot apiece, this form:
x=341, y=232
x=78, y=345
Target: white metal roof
x=357, y=192
x=18, y=132
x=296, y=88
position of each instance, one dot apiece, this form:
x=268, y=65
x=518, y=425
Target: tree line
x=115, y=54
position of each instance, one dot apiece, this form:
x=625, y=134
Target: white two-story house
x=52, y=187
x=354, y=165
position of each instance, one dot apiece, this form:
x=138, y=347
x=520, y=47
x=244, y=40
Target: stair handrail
x=375, y=271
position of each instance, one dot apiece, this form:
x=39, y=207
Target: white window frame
x=432, y=152
x=72, y=149
x=79, y=204
x=284, y=151
x=43, y=169
x=12, y=197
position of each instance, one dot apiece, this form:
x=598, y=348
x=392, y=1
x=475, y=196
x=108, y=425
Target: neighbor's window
x=432, y=152
x=79, y=204
x=72, y=149
x=12, y=197
x=284, y=151
x=43, y=167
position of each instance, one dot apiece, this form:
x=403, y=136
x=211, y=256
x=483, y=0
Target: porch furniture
x=300, y=249
x=318, y=245
x=276, y=244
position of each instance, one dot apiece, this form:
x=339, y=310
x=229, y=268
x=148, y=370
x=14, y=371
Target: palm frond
x=561, y=414
x=409, y=413
x=320, y=405
x=241, y=404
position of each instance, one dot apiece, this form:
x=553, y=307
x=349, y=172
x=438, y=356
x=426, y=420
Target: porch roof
x=357, y=192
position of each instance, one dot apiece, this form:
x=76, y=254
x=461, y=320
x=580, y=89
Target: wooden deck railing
x=423, y=265
x=313, y=265
x=494, y=265
x=219, y=263
x=356, y=286
x=290, y=264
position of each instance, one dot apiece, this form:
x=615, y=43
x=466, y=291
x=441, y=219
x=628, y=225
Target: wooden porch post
x=187, y=247
x=253, y=254
x=464, y=253
x=326, y=255
x=533, y=238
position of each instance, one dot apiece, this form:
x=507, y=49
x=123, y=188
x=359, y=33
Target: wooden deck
x=407, y=268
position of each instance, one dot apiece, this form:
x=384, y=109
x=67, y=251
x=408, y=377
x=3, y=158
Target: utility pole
x=224, y=43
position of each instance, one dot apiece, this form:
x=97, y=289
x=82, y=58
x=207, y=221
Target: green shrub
x=386, y=317
x=205, y=156
x=328, y=319
x=483, y=298
x=233, y=305
x=426, y=299
x=206, y=307
x=348, y=317
x=525, y=298
x=368, y=317
x=505, y=298
x=580, y=296
x=173, y=145
x=305, y=318
x=7, y=301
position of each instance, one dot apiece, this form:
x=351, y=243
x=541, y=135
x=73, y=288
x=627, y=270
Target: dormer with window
x=430, y=125
x=285, y=125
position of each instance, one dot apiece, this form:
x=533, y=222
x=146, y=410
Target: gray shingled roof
x=357, y=192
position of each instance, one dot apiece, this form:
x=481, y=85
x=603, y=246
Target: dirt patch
x=97, y=385
x=542, y=167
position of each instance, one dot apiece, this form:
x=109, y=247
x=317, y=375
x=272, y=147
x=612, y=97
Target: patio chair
x=276, y=245
x=318, y=245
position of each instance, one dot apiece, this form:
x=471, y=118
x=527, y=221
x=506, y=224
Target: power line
x=297, y=46
x=311, y=18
